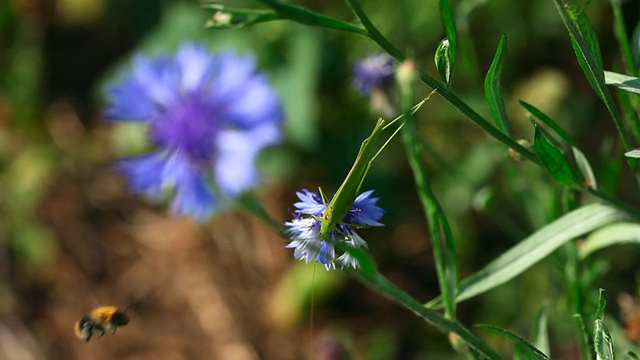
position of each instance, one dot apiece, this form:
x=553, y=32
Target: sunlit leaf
x=443, y=62
x=621, y=81
x=635, y=153
x=452, y=38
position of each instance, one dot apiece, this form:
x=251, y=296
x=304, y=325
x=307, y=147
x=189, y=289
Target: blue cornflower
x=304, y=229
x=208, y=117
x=374, y=72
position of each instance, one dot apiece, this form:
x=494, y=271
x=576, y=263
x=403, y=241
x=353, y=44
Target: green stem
x=444, y=250
x=308, y=17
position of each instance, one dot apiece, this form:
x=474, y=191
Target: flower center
x=189, y=126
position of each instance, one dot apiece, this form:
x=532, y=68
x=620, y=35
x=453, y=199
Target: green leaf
x=443, y=61
x=553, y=160
x=539, y=332
x=603, y=342
x=493, y=90
x=525, y=345
x=616, y=234
x=581, y=159
x=452, y=39
x=535, y=248
x=621, y=81
x=635, y=153
x=631, y=355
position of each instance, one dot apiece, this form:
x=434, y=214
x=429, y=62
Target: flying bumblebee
x=101, y=320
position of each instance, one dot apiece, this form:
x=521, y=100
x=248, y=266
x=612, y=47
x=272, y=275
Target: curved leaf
x=493, y=89
x=553, y=160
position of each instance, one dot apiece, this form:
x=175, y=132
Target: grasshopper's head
x=327, y=224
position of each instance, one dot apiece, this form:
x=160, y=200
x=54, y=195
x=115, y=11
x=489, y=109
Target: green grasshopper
x=343, y=200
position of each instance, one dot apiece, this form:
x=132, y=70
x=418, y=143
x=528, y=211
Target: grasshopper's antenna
x=312, y=303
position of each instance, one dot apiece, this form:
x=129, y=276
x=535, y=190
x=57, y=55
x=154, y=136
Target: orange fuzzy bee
x=101, y=320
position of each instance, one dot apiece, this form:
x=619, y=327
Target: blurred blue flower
x=209, y=115
x=304, y=229
x=374, y=72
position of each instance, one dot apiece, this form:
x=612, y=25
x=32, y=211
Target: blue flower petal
x=257, y=104
x=160, y=78
x=194, y=197
x=235, y=169
x=195, y=62
x=128, y=101
x=365, y=211
x=144, y=173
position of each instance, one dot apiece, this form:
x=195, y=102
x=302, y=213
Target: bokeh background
x=72, y=238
